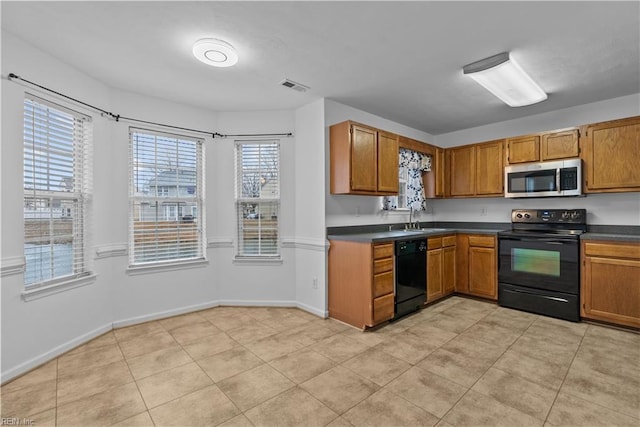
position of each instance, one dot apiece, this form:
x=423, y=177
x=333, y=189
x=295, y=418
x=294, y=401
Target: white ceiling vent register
x=295, y=86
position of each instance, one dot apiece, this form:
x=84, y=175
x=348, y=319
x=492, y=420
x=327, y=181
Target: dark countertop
x=380, y=232
x=611, y=237
x=386, y=236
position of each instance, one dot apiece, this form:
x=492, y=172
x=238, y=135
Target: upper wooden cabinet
x=561, y=144
x=523, y=149
x=387, y=162
x=462, y=170
x=364, y=160
x=476, y=170
x=490, y=168
x=612, y=156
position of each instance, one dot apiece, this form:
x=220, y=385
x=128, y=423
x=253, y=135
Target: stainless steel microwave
x=544, y=179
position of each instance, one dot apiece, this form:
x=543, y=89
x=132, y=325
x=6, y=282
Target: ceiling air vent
x=295, y=86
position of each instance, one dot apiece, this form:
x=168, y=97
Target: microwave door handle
x=558, y=189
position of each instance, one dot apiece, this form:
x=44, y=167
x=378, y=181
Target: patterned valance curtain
x=416, y=163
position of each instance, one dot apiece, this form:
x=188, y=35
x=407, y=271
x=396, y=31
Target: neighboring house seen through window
x=258, y=197
x=166, y=193
x=56, y=175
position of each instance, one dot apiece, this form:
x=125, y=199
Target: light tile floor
x=460, y=362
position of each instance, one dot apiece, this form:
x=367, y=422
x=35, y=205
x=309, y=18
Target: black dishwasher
x=411, y=275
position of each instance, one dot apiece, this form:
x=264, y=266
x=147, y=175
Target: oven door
x=540, y=261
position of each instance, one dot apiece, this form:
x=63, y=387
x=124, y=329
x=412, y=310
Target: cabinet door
x=364, y=157
x=559, y=145
x=462, y=169
x=489, y=168
x=523, y=149
x=440, y=172
x=448, y=269
x=434, y=274
x=482, y=272
x=611, y=290
x=387, y=162
x=613, y=155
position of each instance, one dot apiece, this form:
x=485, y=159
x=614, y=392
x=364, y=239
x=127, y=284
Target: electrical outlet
x=357, y=210
x=483, y=211
x=314, y=283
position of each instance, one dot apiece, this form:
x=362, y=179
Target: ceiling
x=399, y=60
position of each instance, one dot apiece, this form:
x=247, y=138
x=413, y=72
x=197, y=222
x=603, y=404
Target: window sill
x=54, y=288
x=257, y=260
x=135, y=270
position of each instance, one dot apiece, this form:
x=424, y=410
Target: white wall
x=610, y=109
x=310, y=209
x=35, y=331
x=356, y=210
x=602, y=209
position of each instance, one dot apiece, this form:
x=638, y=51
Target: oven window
x=535, y=261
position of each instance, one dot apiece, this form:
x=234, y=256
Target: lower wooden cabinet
x=361, y=291
x=610, y=283
x=477, y=265
x=441, y=253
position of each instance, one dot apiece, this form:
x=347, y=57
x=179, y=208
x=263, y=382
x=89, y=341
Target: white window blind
x=257, y=197
x=166, y=197
x=57, y=184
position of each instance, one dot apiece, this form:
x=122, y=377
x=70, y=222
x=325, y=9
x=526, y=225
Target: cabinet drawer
x=382, y=284
x=612, y=250
x=383, y=308
x=482, y=241
x=382, y=265
x=384, y=250
x=434, y=243
x=448, y=241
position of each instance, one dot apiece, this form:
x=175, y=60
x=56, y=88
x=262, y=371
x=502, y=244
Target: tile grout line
x=480, y=377
x=566, y=375
x=144, y=402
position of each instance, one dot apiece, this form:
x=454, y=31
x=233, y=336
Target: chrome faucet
x=412, y=224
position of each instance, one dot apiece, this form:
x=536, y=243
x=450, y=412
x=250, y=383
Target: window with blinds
x=257, y=197
x=166, y=216
x=57, y=182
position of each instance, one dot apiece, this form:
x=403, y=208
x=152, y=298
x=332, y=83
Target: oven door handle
x=518, y=291
x=539, y=240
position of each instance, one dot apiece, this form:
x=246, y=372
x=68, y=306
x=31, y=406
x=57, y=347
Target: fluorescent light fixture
x=503, y=77
x=217, y=53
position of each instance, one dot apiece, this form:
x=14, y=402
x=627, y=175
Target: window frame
x=164, y=203
x=78, y=161
x=274, y=202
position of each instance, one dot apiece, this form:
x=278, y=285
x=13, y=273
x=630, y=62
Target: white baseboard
x=25, y=367
x=82, y=339
x=258, y=303
x=320, y=313
x=163, y=314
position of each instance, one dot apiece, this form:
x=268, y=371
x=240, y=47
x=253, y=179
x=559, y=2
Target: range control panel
x=552, y=216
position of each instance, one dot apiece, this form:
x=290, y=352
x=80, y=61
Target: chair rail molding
x=12, y=265
x=320, y=245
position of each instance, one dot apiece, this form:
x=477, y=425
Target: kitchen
x=119, y=298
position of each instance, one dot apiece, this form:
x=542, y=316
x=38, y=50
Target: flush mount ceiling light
x=215, y=52
x=503, y=77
